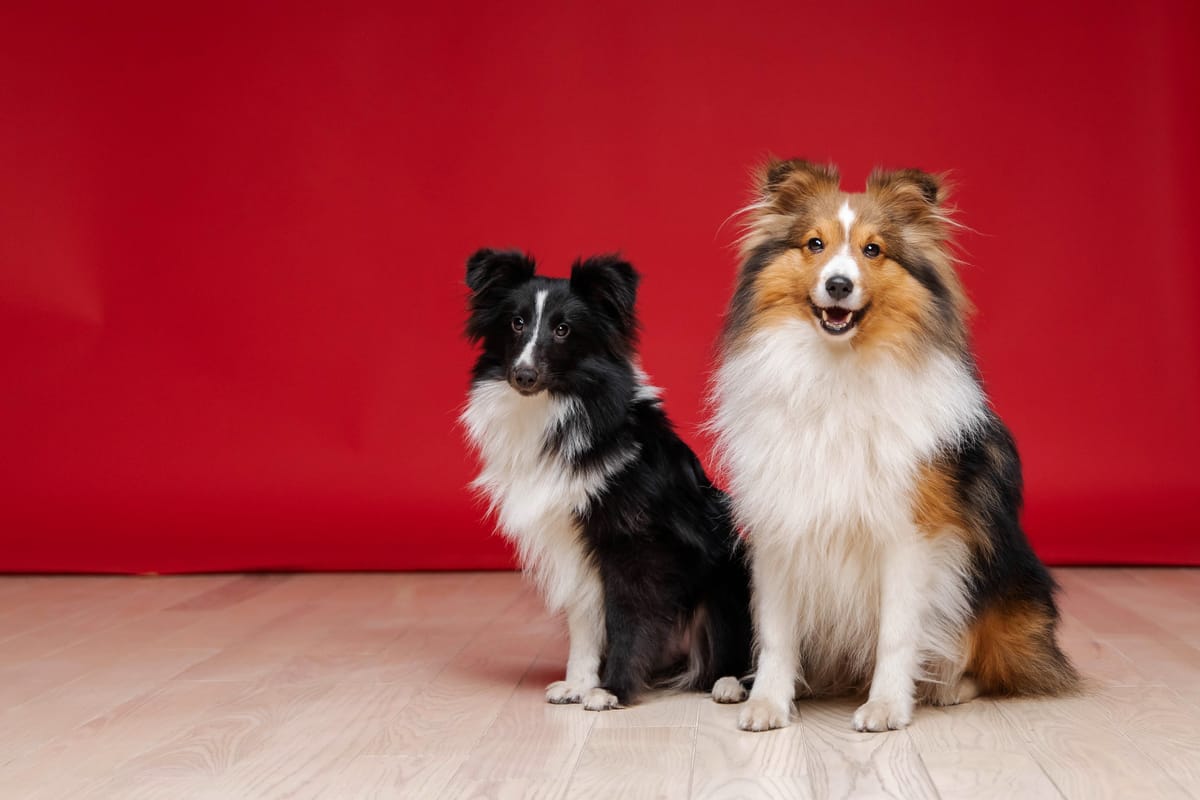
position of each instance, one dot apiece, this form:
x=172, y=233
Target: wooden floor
x=430, y=685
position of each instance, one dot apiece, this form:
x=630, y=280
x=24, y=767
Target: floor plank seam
x=492, y=722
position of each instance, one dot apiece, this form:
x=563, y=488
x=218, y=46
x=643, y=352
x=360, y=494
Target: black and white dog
x=612, y=514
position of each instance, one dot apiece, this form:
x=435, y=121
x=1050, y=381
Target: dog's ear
x=490, y=275
x=491, y=269
x=783, y=191
x=795, y=179
x=909, y=195
x=610, y=283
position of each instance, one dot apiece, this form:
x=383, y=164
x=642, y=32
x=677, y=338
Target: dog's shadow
x=507, y=671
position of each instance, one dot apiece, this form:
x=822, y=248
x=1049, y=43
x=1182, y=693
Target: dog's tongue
x=837, y=315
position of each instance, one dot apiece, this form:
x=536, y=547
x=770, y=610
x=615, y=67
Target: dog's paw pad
x=762, y=715
x=600, y=700
x=881, y=715
x=728, y=690
x=561, y=692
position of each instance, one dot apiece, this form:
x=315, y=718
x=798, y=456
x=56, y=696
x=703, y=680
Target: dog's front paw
x=728, y=690
x=561, y=692
x=762, y=715
x=600, y=700
x=882, y=715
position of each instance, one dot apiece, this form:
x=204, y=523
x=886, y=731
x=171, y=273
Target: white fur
x=844, y=264
x=822, y=444
x=645, y=390
x=846, y=217
x=526, y=357
x=728, y=690
x=535, y=496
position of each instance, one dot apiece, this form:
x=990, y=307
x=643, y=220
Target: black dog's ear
x=609, y=282
x=491, y=269
x=491, y=274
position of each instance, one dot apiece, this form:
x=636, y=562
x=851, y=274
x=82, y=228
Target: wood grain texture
x=635, y=763
x=730, y=763
x=845, y=763
x=430, y=686
x=973, y=751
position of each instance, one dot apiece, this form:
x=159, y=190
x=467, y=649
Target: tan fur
x=1012, y=650
x=781, y=290
x=933, y=502
x=936, y=510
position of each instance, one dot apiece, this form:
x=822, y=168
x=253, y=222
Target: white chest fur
x=533, y=493
x=822, y=450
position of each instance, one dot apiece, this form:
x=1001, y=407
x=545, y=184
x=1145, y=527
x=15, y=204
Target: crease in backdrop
x=231, y=247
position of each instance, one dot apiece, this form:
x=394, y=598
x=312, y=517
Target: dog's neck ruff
x=529, y=448
x=840, y=433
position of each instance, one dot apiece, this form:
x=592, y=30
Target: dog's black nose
x=525, y=377
x=839, y=287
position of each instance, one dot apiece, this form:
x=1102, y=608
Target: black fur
x=741, y=306
x=987, y=481
x=659, y=532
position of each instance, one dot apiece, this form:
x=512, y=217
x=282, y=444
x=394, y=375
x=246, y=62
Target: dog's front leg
x=902, y=583
x=585, y=626
x=775, y=613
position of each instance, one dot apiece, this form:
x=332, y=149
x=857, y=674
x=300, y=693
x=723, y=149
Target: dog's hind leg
x=638, y=625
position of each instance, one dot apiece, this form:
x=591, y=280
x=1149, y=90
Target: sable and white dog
x=879, y=491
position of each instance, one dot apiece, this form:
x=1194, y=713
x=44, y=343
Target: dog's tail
x=719, y=636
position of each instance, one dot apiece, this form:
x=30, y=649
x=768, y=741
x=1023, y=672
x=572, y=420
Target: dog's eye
x=814, y=245
x=562, y=330
x=518, y=324
x=871, y=250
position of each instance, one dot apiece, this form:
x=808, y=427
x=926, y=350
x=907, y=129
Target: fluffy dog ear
x=783, y=191
x=795, y=179
x=490, y=275
x=910, y=194
x=610, y=283
x=491, y=269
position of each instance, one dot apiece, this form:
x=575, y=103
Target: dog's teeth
x=824, y=315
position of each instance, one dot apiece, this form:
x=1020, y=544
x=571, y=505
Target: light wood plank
x=973, y=751
x=530, y=739
x=95, y=747
x=845, y=763
x=731, y=763
x=635, y=763
x=430, y=685
x=28, y=726
x=1074, y=741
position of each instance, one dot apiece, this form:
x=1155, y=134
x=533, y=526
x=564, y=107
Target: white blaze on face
x=526, y=357
x=842, y=264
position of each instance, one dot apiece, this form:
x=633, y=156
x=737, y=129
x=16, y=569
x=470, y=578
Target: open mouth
x=836, y=320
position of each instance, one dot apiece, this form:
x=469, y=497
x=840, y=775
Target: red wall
x=231, y=246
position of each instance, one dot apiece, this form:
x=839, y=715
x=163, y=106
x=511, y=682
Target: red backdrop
x=232, y=244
